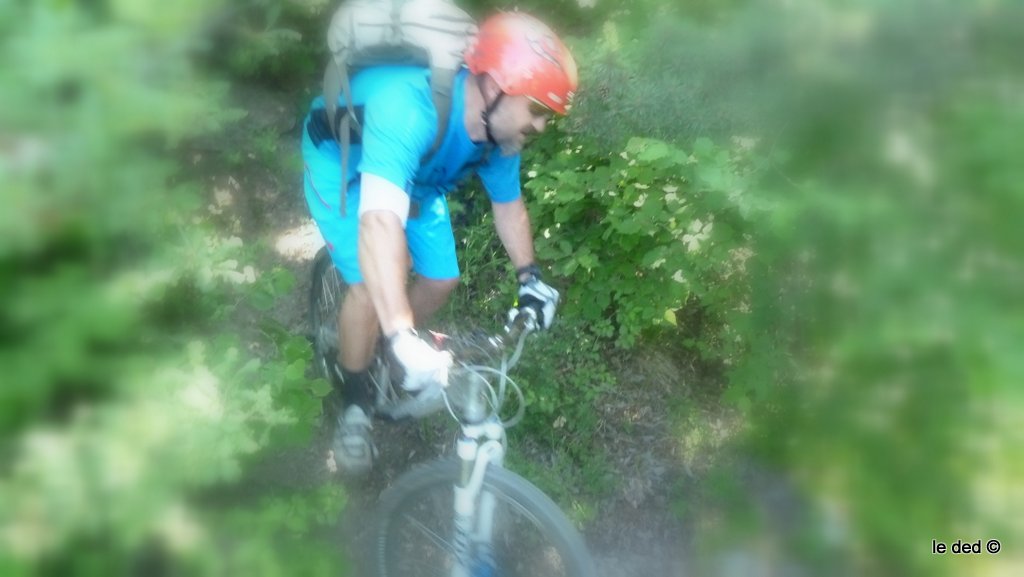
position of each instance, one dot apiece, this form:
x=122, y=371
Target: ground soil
x=252, y=173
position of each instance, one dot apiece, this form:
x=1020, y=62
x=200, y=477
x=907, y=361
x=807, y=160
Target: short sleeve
x=500, y=175
x=399, y=125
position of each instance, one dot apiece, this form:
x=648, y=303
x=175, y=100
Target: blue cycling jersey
x=399, y=128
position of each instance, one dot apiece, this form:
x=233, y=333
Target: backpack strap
x=336, y=83
x=442, y=81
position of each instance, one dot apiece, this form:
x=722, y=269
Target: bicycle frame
x=479, y=485
x=479, y=447
x=481, y=444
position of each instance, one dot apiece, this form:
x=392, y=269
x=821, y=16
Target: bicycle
x=466, y=516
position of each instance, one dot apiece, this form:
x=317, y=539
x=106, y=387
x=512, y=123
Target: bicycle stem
x=475, y=458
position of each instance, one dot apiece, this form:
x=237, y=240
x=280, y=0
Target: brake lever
x=527, y=318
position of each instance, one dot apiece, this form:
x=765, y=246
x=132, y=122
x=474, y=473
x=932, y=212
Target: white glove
x=420, y=365
x=536, y=297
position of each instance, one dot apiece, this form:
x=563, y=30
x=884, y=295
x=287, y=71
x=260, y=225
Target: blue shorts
x=430, y=238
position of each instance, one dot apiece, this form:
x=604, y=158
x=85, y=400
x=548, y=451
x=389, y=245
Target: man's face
x=514, y=120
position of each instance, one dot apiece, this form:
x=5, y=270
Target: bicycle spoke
x=420, y=536
x=330, y=285
x=431, y=535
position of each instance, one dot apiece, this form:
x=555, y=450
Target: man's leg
x=358, y=330
x=352, y=397
x=432, y=247
x=348, y=404
x=428, y=295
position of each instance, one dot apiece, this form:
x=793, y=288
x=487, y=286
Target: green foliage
x=565, y=16
x=861, y=294
x=640, y=231
x=576, y=488
x=287, y=541
x=864, y=299
x=894, y=334
x=564, y=374
x=276, y=41
x=678, y=80
x=487, y=281
x=125, y=399
x=821, y=78
x=878, y=319
x=564, y=379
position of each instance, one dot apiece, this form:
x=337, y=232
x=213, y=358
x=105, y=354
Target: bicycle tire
x=416, y=515
x=325, y=294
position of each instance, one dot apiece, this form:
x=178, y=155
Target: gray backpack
x=366, y=33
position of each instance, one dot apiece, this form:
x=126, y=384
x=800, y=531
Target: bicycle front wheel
x=530, y=535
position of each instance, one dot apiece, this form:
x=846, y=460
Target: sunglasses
x=540, y=110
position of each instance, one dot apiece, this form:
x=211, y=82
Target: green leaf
x=587, y=261
x=282, y=281
x=320, y=387
x=703, y=148
x=670, y=317
x=296, y=370
x=261, y=300
x=653, y=151
x=570, y=267
x=252, y=366
x=635, y=145
x=628, y=226
x=654, y=255
x=567, y=178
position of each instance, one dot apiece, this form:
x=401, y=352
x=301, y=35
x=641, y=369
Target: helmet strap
x=485, y=116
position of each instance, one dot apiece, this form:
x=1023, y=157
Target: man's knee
x=358, y=294
x=440, y=288
x=358, y=290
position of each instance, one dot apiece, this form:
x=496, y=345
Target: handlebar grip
x=527, y=318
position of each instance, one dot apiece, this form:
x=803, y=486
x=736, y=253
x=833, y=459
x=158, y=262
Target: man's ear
x=489, y=88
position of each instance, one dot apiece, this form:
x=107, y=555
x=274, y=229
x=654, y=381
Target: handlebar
x=483, y=349
x=485, y=361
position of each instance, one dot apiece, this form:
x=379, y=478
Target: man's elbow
x=379, y=220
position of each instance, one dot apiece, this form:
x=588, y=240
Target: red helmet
x=525, y=58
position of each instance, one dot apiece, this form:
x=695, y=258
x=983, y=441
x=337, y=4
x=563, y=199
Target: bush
x=124, y=400
x=640, y=231
x=868, y=330
x=270, y=41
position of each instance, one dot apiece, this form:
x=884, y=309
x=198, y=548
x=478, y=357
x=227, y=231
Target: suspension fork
x=478, y=447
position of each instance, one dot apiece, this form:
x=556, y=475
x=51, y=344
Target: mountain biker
x=517, y=73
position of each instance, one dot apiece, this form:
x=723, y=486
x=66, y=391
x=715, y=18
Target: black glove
x=537, y=298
